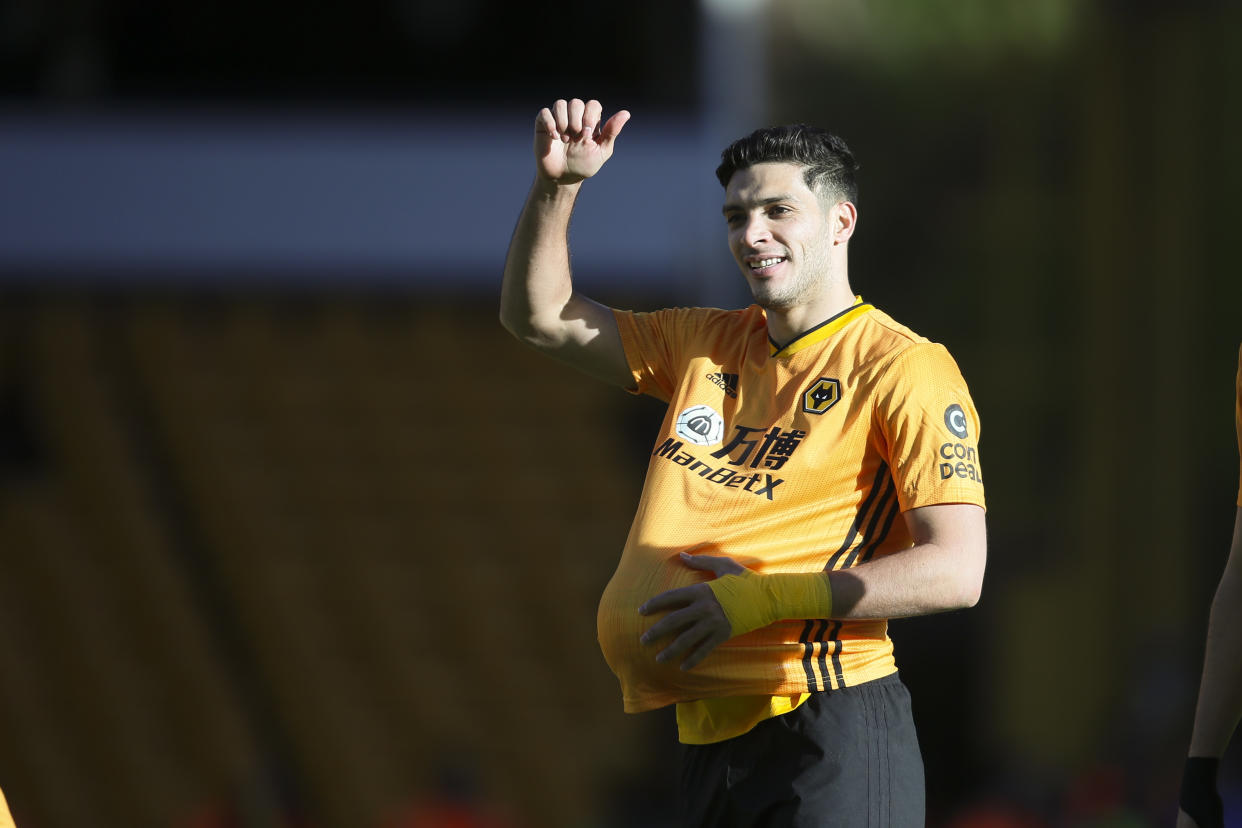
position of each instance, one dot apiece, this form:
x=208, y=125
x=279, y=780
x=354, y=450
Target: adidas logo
x=728, y=382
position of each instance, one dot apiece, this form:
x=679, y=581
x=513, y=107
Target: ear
x=844, y=218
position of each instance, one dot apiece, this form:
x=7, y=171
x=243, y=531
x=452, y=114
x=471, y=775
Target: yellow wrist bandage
x=751, y=601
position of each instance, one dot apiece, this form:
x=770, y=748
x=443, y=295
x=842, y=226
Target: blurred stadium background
x=292, y=534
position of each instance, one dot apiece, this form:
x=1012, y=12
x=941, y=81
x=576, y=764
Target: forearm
x=921, y=580
x=1220, y=689
x=942, y=571
x=537, y=279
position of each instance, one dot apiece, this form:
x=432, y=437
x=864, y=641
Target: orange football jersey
x=791, y=459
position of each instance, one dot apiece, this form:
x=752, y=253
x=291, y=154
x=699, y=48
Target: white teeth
x=767, y=262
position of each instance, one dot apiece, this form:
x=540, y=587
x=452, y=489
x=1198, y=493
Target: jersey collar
x=821, y=331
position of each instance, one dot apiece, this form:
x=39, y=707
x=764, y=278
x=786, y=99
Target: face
x=782, y=234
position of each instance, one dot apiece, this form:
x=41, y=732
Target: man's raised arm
x=538, y=304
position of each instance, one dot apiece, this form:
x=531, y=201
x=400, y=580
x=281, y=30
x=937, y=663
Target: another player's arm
x=1220, y=689
x=1220, y=693
x=538, y=303
x=942, y=571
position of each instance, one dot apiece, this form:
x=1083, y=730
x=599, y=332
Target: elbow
x=970, y=588
x=965, y=587
x=512, y=319
x=961, y=596
x=520, y=326
x=971, y=593
x=509, y=323
x=970, y=579
x=515, y=316
x=528, y=331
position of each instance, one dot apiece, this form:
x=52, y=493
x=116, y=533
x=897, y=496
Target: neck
x=787, y=324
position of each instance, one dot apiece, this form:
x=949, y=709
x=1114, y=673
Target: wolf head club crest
x=823, y=394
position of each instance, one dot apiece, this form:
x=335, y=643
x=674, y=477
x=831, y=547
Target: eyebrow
x=733, y=205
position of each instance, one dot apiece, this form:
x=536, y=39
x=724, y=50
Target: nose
x=756, y=231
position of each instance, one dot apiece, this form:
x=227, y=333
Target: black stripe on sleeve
x=888, y=524
x=881, y=474
x=887, y=500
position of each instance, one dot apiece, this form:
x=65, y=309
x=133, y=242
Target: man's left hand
x=697, y=618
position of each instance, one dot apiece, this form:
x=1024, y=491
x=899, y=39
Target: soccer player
x=817, y=473
x=1220, y=688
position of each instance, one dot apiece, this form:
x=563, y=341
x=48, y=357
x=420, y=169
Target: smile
x=762, y=263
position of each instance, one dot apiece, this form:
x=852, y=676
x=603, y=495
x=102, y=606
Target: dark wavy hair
x=828, y=164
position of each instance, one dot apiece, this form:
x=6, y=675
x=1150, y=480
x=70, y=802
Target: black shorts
x=846, y=758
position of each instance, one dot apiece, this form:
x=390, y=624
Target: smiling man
x=817, y=473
